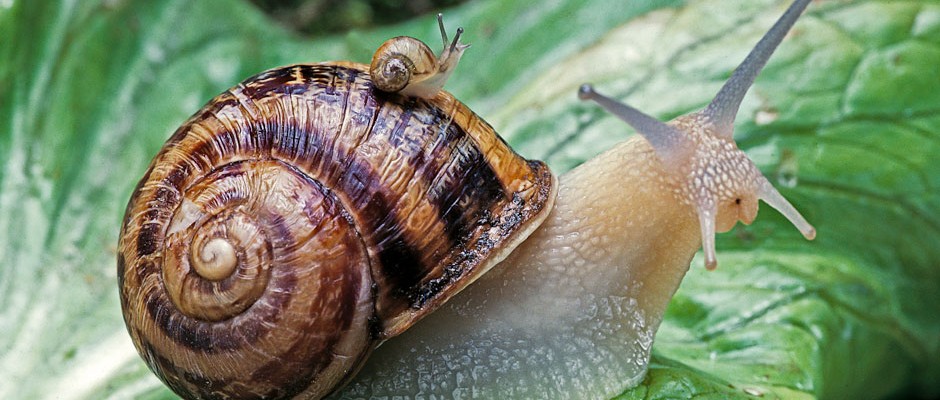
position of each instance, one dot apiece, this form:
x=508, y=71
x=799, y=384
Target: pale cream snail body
x=572, y=312
x=306, y=216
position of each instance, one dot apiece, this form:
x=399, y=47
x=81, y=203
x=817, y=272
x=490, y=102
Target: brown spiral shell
x=300, y=218
x=392, y=73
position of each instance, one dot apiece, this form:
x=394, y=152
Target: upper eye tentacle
x=671, y=144
x=724, y=107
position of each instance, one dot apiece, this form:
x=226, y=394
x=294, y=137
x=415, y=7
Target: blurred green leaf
x=845, y=119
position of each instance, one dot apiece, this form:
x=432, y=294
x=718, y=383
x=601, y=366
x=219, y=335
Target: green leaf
x=845, y=119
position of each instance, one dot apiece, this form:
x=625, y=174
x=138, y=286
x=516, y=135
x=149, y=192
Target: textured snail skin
x=572, y=313
x=301, y=218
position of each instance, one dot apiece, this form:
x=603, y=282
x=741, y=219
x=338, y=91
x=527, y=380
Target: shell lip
x=483, y=252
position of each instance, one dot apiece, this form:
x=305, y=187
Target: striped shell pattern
x=301, y=218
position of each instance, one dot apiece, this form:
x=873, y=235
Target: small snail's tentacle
x=723, y=109
x=440, y=23
x=456, y=42
x=450, y=50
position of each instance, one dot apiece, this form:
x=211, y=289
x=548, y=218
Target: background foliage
x=845, y=119
x=338, y=16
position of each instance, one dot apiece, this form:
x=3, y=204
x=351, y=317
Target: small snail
x=407, y=65
x=303, y=217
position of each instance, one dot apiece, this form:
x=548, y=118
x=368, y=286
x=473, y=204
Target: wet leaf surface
x=846, y=118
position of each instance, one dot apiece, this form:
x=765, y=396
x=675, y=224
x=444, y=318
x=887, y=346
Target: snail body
x=306, y=216
x=573, y=311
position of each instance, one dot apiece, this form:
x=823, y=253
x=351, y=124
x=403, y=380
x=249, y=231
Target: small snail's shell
x=301, y=218
x=400, y=59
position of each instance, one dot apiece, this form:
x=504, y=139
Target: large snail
x=303, y=217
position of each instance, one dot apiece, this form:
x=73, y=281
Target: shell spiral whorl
x=300, y=218
x=393, y=72
x=251, y=245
